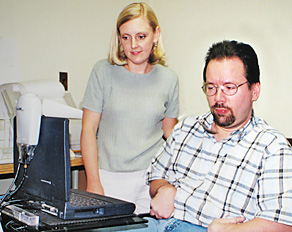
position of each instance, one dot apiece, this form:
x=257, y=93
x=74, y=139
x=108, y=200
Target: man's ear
x=256, y=89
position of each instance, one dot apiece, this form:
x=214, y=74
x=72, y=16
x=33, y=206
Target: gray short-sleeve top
x=132, y=107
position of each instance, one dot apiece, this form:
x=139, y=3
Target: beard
x=222, y=120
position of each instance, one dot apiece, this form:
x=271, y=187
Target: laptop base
x=48, y=222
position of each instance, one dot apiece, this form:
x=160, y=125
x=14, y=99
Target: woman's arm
x=167, y=126
x=88, y=143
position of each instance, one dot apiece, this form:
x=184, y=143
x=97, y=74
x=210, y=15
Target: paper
x=44, y=88
x=9, y=70
x=54, y=109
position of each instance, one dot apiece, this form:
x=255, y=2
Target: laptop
x=48, y=180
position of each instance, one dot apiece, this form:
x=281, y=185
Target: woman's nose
x=134, y=43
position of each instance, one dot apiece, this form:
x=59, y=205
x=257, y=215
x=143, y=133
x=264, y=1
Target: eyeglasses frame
x=216, y=86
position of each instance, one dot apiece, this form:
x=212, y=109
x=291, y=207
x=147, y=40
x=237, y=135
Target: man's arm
x=163, y=195
x=254, y=225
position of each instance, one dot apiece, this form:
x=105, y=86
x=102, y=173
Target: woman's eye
x=141, y=37
x=125, y=37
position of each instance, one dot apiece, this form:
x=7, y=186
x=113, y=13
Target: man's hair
x=133, y=11
x=229, y=49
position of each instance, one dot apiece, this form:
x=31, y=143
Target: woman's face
x=137, y=38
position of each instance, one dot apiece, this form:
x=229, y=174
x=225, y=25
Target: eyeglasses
x=228, y=88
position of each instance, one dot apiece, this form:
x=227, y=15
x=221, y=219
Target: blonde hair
x=132, y=11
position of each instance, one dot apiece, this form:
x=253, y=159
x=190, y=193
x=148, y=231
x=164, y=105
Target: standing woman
x=130, y=105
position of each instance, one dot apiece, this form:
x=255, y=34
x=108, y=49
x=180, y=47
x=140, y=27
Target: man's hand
x=224, y=224
x=254, y=225
x=162, y=204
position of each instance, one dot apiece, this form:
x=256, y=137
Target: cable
x=8, y=193
x=12, y=225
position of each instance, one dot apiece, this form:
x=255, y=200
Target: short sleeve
x=172, y=108
x=94, y=94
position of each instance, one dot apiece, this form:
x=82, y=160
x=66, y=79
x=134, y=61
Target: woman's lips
x=136, y=53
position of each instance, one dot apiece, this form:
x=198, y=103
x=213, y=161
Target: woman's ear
x=157, y=34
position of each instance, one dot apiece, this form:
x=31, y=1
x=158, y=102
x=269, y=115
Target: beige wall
x=71, y=35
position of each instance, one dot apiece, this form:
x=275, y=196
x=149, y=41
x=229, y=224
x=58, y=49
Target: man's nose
x=219, y=95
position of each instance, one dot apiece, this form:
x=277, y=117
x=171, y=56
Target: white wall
x=71, y=35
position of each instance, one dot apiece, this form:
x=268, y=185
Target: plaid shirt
x=248, y=174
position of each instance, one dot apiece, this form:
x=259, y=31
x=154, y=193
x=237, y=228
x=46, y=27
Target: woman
x=131, y=99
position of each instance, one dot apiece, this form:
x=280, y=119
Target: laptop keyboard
x=81, y=200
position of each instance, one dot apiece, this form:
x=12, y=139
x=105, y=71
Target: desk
x=7, y=169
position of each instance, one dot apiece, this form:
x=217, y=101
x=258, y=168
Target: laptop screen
x=46, y=178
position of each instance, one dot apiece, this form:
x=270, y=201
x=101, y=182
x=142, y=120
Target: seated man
x=226, y=170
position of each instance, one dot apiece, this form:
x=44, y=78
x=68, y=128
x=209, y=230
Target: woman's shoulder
x=101, y=71
x=102, y=64
x=103, y=68
x=166, y=72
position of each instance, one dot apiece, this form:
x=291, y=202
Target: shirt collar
x=207, y=120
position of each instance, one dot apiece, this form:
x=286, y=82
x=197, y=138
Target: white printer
x=56, y=102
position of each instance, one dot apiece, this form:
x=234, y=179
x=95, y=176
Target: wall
x=71, y=35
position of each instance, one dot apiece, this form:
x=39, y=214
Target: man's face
x=231, y=112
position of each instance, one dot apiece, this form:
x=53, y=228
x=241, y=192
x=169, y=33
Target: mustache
x=219, y=105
